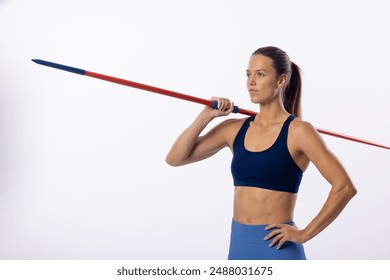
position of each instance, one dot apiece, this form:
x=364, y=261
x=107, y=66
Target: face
x=262, y=82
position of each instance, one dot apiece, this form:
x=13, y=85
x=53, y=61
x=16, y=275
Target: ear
x=282, y=82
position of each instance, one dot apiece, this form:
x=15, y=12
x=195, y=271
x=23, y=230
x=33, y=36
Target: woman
x=271, y=150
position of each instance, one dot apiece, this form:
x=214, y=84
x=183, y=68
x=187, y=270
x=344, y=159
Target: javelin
x=211, y=103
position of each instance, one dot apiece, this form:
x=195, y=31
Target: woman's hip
x=247, y=242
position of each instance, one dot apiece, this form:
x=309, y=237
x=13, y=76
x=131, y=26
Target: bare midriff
x=259, y=206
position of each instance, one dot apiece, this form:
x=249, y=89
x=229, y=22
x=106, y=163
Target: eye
x=260, y=74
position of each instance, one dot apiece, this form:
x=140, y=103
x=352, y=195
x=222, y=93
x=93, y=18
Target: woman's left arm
x=313, y=147
x=329, y=166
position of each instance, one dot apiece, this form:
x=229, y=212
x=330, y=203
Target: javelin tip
x=36, y=61
x=59, y=66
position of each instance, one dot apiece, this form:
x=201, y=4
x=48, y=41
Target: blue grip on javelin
x=215, y=106
x=60, y=66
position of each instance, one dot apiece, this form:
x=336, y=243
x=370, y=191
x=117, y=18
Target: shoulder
x=228, y=129
x=302, y=128
x=305, y=135
x=231, y=124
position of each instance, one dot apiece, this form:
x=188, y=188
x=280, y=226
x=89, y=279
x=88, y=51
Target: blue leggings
x=246, y=243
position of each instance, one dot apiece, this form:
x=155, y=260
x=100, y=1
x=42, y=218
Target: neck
x=271, y=113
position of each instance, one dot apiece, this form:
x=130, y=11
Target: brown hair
x=283, y=65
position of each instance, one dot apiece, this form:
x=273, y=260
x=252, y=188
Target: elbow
x=345, y=191
x=350, y=191
x=353, y=191
x=172, y=161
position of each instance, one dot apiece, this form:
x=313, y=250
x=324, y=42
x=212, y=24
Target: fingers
x=281, y=242
x=278, y=239
x=271, y=226
x=280, y=235
x=274, y=232
x=224, y=104
x=274, y=235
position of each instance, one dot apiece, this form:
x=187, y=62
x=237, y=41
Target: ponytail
x=292, y=93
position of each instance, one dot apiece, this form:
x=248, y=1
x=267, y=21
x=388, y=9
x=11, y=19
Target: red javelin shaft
x=174, y=94
x=163, y=91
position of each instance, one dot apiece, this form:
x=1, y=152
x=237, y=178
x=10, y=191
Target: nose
x=251, y=80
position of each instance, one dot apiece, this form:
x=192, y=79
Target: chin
x=255, y=100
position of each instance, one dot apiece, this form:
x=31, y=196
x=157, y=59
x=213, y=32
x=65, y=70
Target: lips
x=252, y=91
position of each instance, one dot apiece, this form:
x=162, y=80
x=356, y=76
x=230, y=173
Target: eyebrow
x=257, y=70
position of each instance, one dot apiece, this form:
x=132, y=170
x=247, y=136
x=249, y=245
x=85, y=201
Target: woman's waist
x=257, y=206
x=254, y=233
x=262, y=219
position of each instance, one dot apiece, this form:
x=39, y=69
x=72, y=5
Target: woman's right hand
x=224, y=108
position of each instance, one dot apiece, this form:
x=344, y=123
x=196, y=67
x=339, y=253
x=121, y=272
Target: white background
x=82, y=161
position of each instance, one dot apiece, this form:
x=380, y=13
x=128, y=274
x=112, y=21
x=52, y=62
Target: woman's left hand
x=283, y=233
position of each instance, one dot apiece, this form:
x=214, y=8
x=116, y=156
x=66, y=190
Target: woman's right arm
x=190, y=146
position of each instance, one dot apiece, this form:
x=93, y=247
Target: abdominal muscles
x=259, y=206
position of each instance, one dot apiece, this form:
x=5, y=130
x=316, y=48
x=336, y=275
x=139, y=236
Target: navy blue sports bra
x=272, y=169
